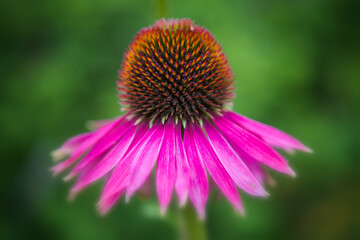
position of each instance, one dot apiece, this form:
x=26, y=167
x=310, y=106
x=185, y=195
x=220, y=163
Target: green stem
x=191, y=227
x=161, y=9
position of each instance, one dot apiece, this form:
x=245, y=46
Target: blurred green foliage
x=297, y=67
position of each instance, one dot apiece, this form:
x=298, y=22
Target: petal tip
x=201, y=215
x=102, y=210
x=163, y=211
x=72, y=195
x=55, y=171
x=76, y=188
x=291, y=172
x=307, y=149
x=258, y=190
x=240, y=210
x=127, y=197
x=59, y=154
x=182, y=202
x=69, y=177
x=103, y=207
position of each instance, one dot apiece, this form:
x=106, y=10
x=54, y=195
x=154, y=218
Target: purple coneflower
x=176, y=86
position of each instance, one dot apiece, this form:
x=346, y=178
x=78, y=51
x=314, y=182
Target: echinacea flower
x=176, y=87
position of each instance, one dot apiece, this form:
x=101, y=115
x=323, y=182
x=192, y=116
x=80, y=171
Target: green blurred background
x=297, y=67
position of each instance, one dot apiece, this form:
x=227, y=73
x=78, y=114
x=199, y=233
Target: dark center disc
x=174, y=69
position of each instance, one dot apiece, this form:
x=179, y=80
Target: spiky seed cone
x=174, y=68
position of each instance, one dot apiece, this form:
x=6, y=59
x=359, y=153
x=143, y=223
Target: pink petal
x=69, y=146
x=84, y=146
x=254, y=166
x=270, y=135
x=140, y=133
x=93, y=125
x=199, y=186
x=110, y=160
x=239, y=138
x=104, y=144
x=76, y=140
x=83, y=174
x=105, y=205
x=233, y=164
x=256, y=169
x=166, y=167
x=145, y=160
x=121, y=175
x=216, y=169
x=183, y=174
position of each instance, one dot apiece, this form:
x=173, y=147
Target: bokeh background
x=297, y=67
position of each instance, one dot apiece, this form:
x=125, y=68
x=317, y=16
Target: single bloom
x=176, y=86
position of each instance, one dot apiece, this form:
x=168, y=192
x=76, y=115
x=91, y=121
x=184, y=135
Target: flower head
x=175, y=69
x=175, y=85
